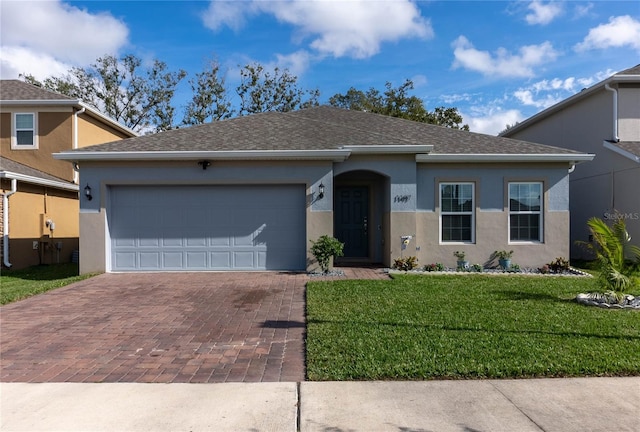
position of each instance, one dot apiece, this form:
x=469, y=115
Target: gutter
x=5, y=221
x=39, y=181
x=571, y=158
x=332, y=155
x=615, y=111
x=611, y=146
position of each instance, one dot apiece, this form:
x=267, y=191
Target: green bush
x=406, y=263
x=326, y=248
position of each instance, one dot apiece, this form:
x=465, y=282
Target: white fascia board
x=611, y=146
x=46, y=102
x=386, y=149
x=488, y=158
x=39, y=181
x=330, y=155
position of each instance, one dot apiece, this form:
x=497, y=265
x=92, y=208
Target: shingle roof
x=18, y=168
x=320, y=128
x=631, y=71
x=632, y=147
x=15, y=90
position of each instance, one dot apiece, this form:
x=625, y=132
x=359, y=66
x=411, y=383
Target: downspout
x=75, y=138
x=5, y=221
x=615, y=111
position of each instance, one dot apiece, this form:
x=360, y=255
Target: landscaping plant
x=324, y=249
x=405, y=263
x=611, y=246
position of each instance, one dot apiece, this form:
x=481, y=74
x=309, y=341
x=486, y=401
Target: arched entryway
x=361, y=215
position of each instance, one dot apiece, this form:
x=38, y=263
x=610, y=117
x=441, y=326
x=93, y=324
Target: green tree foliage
x=612, y=247
x=137, y=96
x=396, y=102
x=210, y=100
x=262, y=91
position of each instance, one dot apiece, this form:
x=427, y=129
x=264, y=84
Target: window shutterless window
x=24, y=131
x=457, y=212
x=525, y=212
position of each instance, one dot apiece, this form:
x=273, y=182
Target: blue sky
x=498, y=62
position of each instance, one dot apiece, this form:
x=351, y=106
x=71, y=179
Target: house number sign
x=402, y=198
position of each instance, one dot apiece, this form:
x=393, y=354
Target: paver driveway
x=161, y=327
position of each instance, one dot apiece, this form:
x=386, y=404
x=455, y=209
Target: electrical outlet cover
x=35, y=245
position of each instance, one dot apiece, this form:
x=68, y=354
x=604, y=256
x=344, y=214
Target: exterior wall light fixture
x=204, y=164
x=87, y=192
x=321, y=191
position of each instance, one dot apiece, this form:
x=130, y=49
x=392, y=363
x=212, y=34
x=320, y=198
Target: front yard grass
x=19, y=284
x=468, y=326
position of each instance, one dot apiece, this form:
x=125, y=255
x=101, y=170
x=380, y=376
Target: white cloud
x=530, y=98
x=493, y=122
x=582, y=10
x=55, y=36
x=338, y=28
x=618, y=32
x=502, y=63
x=543, y=13
x=419, y=81
x=297, y=63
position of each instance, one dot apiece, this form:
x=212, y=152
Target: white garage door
x=189, y=228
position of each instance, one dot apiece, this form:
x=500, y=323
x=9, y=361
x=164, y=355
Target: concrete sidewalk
x=567, y=405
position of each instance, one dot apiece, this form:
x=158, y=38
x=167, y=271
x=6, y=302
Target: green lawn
x=470, y=326
x=19, y=284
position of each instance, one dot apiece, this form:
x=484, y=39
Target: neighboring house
x=39, y=207
x=250, y=193
x=605, y=120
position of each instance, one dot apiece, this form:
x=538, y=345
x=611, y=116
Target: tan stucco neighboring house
x=39, y=206
x=250, y=193
x=603, y=119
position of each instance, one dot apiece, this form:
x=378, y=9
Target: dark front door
x=352, y=220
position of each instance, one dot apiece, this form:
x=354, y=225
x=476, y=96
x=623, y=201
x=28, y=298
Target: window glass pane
x=456, y=198
x=24, y=121
x=24, y=137
x=524, y=197
x=525, y=227
x=456, y=228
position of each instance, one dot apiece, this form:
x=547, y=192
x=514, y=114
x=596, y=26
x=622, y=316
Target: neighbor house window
x=525, y=212
x=24, y=131
x=457, y=212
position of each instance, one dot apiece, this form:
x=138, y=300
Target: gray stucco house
x=250, y=193
x=604, y=120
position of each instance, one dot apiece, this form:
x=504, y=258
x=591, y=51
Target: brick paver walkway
x=161, y=327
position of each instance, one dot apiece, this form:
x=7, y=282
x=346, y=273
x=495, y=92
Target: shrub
x=326, y=248
x=477, y=268
x=406, y=263
x=460, y=255
x=503, y=254
x=434, y=267
x=559, y=265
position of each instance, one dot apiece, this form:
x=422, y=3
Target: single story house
x=250, y=193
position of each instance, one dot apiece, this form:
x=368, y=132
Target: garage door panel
x=208, y=228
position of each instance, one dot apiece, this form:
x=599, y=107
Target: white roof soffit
x=489, y=158
x=39, y=181
x=391, y=148
x=76, y=103
x=325, y=155
x=621, y=151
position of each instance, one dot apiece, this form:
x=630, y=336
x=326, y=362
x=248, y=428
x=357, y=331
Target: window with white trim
x=525, y=212
x=24, y=131
x=457, y=212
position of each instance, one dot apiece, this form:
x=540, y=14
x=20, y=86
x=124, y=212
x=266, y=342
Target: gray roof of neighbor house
x=631, y=75
x=14, y=170
x=16, y=90
x=18, y=93
x=322, y=128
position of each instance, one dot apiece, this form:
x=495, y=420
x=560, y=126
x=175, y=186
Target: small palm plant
x=611, y=247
